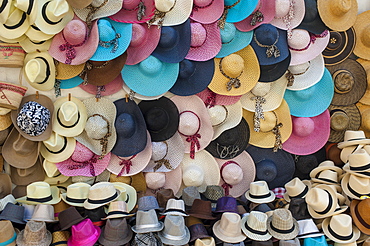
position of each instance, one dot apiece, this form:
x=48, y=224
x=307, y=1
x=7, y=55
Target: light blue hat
x=233, y=40
x=114, y=39
x=150, y=77
x=71, y=83
x=312, y=101
x=315, y=241
x=241, y=10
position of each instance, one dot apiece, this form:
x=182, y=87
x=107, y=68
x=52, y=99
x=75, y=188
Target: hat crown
x=81, y=153
x=318, y=199
x=68, y=113
x=303, y=126
x=232, y=65
x=299, y=69
x=282, y=219
x=24, y=146
x=230, y=224
x=159, y=150
x=83, y=230
x=266, y=34
x=340, y=7
x=341, y=224
x=106, y=30
x=116, y=229
x=43, y=212
x=189, y=123
x=35, y=69
x=35, y=231
x=156, y=119
x=218, y=114
x=295, y=187
x=343, y=81
x=359, y=184
x=78, y=190
x=187, y=68
x=38, y=190
x=125, y=125
x=226, y=203
x=198, y=34
x=175, y=204
x=55, y=142
x=300, y=39
x=6, y=230
x=118, y=206
x=232, y=174
x=96, y=127
x=339, y=120
x=150, y=66
x=261, y=89
x=228, y=33
x=266, y=170
x=193, y=175
x=207, y=241
x=328, y=175
x=259, y=188
x=147, y=218
x=102, y=190
x=282, y=8
x=214, y=192
x=60, y=236
x=269, y=122
x=155, y=180
x=311, y=12
x=75, y=32
x=56, y=9
x=257, y=220
x=174, y=226
x=365, y=36
x=139, y=35
x=146, y=203
x=359, y=158
x=169, y=37
x=353, y=135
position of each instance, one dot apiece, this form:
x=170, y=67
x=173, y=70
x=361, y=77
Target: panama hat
x=76, y=194
x=276, y=168
x=26, y=176
x=296, y=188
x=114, y=38
x=283, y=18
x=321, y=202
x=347, y=151
x=39, y=70
x=15, y=25
x=357, y=163
x=57, y=148
x=70, y=116
x=40, y=192
x=343, y=119
x=340, y=229
x=312, y=21
x=206, y=12
x=259, y=192
x=35, y=233
x=236, y=174
x=98, y=9
x=157, y=181
x=8, y=233
x=340, y=46
x=228, y=228
x=337, y=15
x=166, y=155
x=236, y=73
x=233, y=40
x=174, y=43
x=361, y=30
x=128, y=192
x=359, y=215
x=325, y=165
x=171, y=12
x=128, y=166
x=135, y=11
x=118, y=209
x=115, y=232
x=254, y=226
x=99, y=134
x=76, y=43
x=100, y=194
x=175, y=207
x=309, y=134
x=281, y=225
x=6, y=11
x=355, y=186
x=151, y=77
x=264, y=7
x=266, y=137
x=147, y=221
x=300, y=102
x=33, y=46
x=305, y=46
x=143, y=42
x=35, y=34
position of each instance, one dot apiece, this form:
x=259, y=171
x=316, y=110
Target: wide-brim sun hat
x=312, y=101
x=151, y=77
x=65, y=71
x=211, y=98
x=135, y=12
x=312, y=21
x=102, y=9
x=32, y=46
x=309, y=134
x=270, y=73
x=365, y=99
x=361, y=29
x=233, y=40
x=235, y=74
x=176, y=12
x=282, y=12
x=239, y=10
x=207, y=12
x=70, y=83
x=138, y=97
x=157, y=181
x=105, y=90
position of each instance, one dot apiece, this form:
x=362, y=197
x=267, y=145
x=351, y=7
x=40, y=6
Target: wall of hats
x=184, y=122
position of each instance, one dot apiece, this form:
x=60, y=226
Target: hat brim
x=64, y=153
x=332, y=193
x=65, y=71
x=254, y=236
x=129, y=16
x=90, y=206
x=71, y=83
x=209, y=14
x=234, y=116
x=179, y=13
x=157, y=228
x=110, y=8
x=26, y=176
x=167, y=239
x=241, y=10
x=271, y=73
x=239, y=42
x=131, y=195
x=108, y=89
x=299, y=11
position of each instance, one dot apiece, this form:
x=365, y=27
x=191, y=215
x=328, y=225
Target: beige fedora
x=128, y=194
x=321, y=202
x=355, y=186
x=76, y=194
x=40, y=192
x=358, y=164
x=281, y=225
x=259, y=192
x=228, y=228
x=296, y=188
x=254, y=226
x=100, y=194
x=175, y=207
x=353, y=138
x=117, y=209
x=340, y=229
x=57, y=148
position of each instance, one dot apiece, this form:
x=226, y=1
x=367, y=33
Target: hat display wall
x=36, y=233
x=206, y=12
x=135, y=12
x=228, y=228
x=339, y=228
x=343, y=119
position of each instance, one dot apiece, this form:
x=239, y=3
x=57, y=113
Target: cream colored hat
x=254, y=226
x=40, y=192
x=358, y=163
x=355, y=186
x=175, y=12
x=100, y=194
x=76, y=194
x=128, y=194
x=340, y=229
x=175, y=207
x=259, y=192
x=117, y=209
x=156, y=181
x=207, y=241
x=228, y=228
x=321, y=203
x=57, y=148
x=353, y=138
x=43, y=212
x=296, y=188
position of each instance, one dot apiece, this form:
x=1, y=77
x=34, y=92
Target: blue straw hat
x=70, y=83
x=312, y=101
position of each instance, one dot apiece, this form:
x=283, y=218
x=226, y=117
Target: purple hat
x=226, y=204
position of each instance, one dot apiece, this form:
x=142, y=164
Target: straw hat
x=7, y=233
x=40, y=192
x=324, y=166
x=76, y=194
x=307, y=228
x=343, y=119
x=339, y=228
x=282, y=12
x=57, y=148
x=312, y=21
x=115, y=232
x=176, y=12
x=60, y=237
x=359, y=214
x=211, y=98
x=236, y=73
x=147, y=221
x=128, y=194
x=135, y=183
x=134, y=12
x=206, y=12
x=44, y=212
x=103, y=9
x=16, y=24
x=118, y=209
x=238, y=11
x=228, y=228
x=5, y=13
x=100, y=194
x=84, y=233
x=66, y=71
x=254, y=226
x=321, y=202
x=338, y=15
x=156, y=181
x=259, y=192
x=281, y=225
x=309, y=134
x=35, y=233
x=296, y=188
x=12, y=95
x=355, y=186
x=277, y=118
x=362, y=31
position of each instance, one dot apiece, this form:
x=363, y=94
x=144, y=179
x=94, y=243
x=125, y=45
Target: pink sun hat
x=205, y=41
x=135, y=11
x=211, y=98
x=75, y=44
x=264, y=7
x=283, y=19
x=309, y=134
x=305, y=46
x=105, y=90
x=144, y=40
x=83, y=162
x=207, y=11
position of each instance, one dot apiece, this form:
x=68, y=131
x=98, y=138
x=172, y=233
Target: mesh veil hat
x=361, y=29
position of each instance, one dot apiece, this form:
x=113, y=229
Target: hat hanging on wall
x=206, y=12
x=312, y=21
x=362, y=32
x=138, y=11
x=98, y=9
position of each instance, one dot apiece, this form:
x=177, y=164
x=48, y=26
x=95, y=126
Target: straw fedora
x=339, y=228
x=361, y=29
x=134, y=12
x=128, y=193
x=31, y=46
x=5, y=13
x=175, y=232
x=236, y=174
x=353, y=138
x=326, y=172
x=118, y=209
x=147, y=221
x=44, y=212
x=206, y=12
x=296, y=188
x=174, y=13
x=34, y=233
x=236, y=73
x=282, y=12
x=57, y=148
x=281, y=225
x=309, y=134
x=355, y=186
x=60, y=237
x=100, y=194
x=259, y=192
x=254, y=226
x=7, y=233
x=115, y=232
x=143, y=42
x=16, y=24
x=228, y=228
x=12, y=94
x=321, y=202
x=338, y=15
x=135, y=183
x=276, y=119
x=357, y=159
x=359, y=214
x=76, y=194
x=5, y=120
x=40, y=192
x=84, y=233
x=156, y=181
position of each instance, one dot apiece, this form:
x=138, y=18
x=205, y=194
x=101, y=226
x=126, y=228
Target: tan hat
x=296, y=188
x=137, y=181
x=207, y=241
x=57, y=148
x=43, y=212
x=26, y=176
x=365, y=116
x=340, y=229
x=40, y=192
x=66, y=71
x=361, y=27
x=60, y=238
x=325, y=166
x=358, y=163
x=321, y=202
x=228, y=228
x=281, y=225
x=259, y=192
x=365, y=99
x=7, y=233
x=100, y=194
x=76, y=194
x=254, y=226
x=11, y=94
x=117, y=209
x=355, y=186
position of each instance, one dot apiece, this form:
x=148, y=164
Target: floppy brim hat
x=54, y=195
x=247, y=71
x=279, y=165
x=298, y=15
x=16, y=24
x=331, y=234
x=138, y=97
x=99, y=108
x=266, y=138
x=312, y=21
x=65, y=71
x=174, y=43
x=252, y=233
x=45, y=83
x=233, y=40
x=312, y=72
x=337, y=16
x=325, y=165
x=270, y=73
x=205, y=42
x=70, y=83
x=104, y=9
x=106, y=90
x=361, y=29
x=309, y=134
x=240, y=11
x=177, y=12
x=132, y=14
x=211, y=98
x=130, y=117
x=344, y=118
x=272, y=92
x=350, y=82
x=45, y=102
x=151, y=77
x=110, y=49
x=208, y=12
x=312, y=101
x=340, y=46
x=173, y=181
x=248, y=169
x=26, y=176
x=267, y=8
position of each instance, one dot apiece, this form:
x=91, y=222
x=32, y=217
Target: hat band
x=12, y=239
x=362, y=168
x=360, y=219
x=253, y=230
x=59, y=151
x=147, y=226
x=355, y=192
x=18, y=24
x=57, y=243
x=259, y=196
x=324, y=179
x=30, y=6
x=46, y=18
x=74, y=200
x=100, y=201
x=330, y=204
x=174, y=210
x=3, y=5
x=70, y=126
x=281, y=231
x=41, y=200
x=300, y=195
x=117, y=212
x=340, y=237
